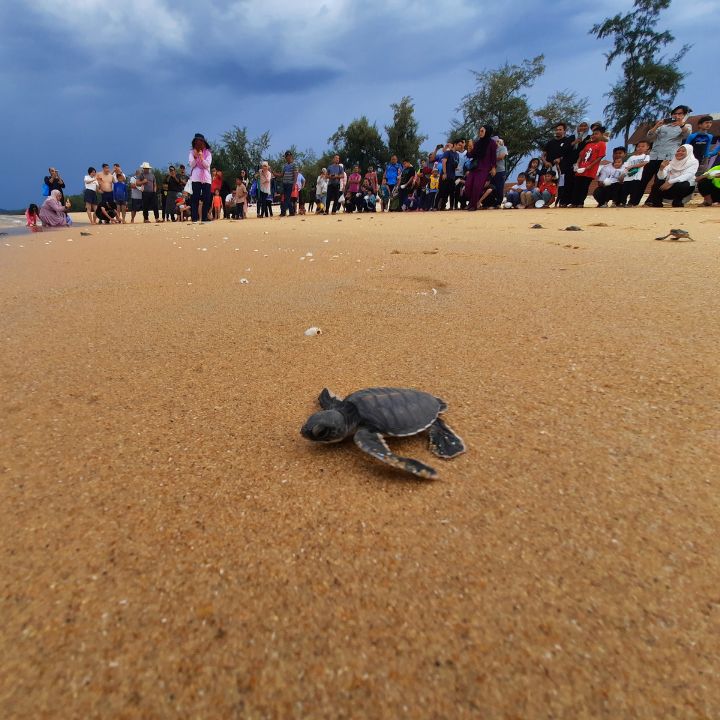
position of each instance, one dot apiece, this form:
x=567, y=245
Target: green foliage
x=359, y=142
x=499, y=100
x=77, y=203
x=649, y=81
x=403, y=138
x=235, y=152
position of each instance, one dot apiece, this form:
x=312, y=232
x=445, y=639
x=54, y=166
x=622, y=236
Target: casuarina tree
x=235, y=151
x=649, y=80
x=403, y=138
x=359, y=142
x=499, y=101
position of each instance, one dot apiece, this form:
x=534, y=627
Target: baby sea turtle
x=537, y=226
x=574, y=228
x=369, y=414
x=677, y=234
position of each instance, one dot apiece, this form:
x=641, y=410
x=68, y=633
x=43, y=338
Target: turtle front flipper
x=373, y=444
x=444, y=441
x=328, y=399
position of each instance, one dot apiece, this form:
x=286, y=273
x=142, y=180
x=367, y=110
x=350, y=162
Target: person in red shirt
x=588, y=165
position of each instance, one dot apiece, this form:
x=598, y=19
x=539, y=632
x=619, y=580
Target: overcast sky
x=92, y=81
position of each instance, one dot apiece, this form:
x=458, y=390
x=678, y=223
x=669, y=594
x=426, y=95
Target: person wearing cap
x=200, y=159
x=55, y=182
x=147, y=183
x=666, y=136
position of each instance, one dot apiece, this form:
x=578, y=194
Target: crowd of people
x=463, y=174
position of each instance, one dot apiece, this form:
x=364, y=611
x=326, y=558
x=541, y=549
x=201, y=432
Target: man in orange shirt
x=588, y=165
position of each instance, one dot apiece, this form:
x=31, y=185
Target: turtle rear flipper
x=444, y=442
x=328, y=399
x=373, y=444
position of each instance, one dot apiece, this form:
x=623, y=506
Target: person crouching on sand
x=32, y=216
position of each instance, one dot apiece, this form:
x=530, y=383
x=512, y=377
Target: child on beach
x=120, y=195
x=32, y=217
x=216, y=205
x=487, y=199
x=548, y=188
x=183, y=205
x=513, y=195
x=432, y=188
x=384, y=197
x=530, y=195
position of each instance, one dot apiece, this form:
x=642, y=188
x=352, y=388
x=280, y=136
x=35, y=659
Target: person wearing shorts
x=90, y=193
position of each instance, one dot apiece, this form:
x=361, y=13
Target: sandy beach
x=171, y=547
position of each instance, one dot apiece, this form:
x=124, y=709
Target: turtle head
x=326, y=426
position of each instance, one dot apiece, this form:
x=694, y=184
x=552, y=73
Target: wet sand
x=171, y=546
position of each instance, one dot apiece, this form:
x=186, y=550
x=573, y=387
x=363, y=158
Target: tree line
x=645, y=89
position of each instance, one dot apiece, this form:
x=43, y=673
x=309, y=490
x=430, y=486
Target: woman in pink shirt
x=200, y=159
x=353, y=190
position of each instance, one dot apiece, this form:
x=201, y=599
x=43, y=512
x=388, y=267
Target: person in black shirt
x=174, y=188
x=106, y=212
x=405, y=182
x=558, y=155
x=55, y=182
x=450, y=162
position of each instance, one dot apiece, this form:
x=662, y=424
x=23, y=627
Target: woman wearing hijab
x=483, y=156
x=200, y=160
x=675, y=179
x=53, y=213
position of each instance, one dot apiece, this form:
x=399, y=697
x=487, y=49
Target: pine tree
x=649, y=81
x=403, y=138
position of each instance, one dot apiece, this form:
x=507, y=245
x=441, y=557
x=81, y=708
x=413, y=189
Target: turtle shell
x=396, y=411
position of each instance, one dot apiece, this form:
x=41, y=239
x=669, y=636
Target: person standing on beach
x=120, y=195
x=558, y=155
x=105, y=183
x=588, y=165
x=90, y=193
x=498, y=179
x=265, y=190
x=146, y=180
x=135, y=195
x=484, y=153
x=55, y=182
x=392, y=171
x=200, y=160
x=289, y=180
x=174, y=188
x=335, y=172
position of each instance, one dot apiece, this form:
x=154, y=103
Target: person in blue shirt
x=701, y=142
x=392, y=171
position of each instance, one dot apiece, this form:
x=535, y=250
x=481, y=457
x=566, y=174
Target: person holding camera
x=55, y=182
x=666, y=135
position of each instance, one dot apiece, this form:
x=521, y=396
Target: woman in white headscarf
x=675, y=179
x=53, y=213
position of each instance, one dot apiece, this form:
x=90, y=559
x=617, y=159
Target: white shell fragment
x=244, y=281
x=313, y=331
